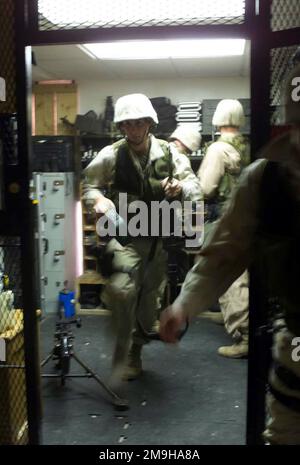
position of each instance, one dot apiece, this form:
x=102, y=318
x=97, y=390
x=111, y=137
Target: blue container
x=67, y=301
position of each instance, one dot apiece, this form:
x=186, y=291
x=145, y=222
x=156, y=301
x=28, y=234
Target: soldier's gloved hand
x=103, y=204
x=116, y=226
x=172, y=320
x=172, y=187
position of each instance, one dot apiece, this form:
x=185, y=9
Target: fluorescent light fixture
x=137, y=12
x=85, y=50
x=161, y=49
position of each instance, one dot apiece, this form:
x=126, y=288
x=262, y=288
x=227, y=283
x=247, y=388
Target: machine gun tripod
x=63, y=353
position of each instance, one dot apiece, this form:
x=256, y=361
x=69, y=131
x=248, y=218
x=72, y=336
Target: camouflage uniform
x=116, y=169
x=219, y=172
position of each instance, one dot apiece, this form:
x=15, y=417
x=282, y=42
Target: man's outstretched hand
x=172, y=320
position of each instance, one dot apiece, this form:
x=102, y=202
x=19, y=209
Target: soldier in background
x=186, y=139
x=220, y=169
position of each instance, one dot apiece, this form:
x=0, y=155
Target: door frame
x=255, y=28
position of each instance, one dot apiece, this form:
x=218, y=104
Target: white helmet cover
x=229, y=113
x=291, y=96
x=190, y=137
x=134, y=106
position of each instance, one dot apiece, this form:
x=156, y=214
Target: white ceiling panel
x=75, y=69
x=58, y=52
x=142, y=69
x=70, y=62
x=206, y=67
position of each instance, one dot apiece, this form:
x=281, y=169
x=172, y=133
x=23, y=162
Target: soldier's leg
x=283, y=423
x=234, y=306
x=152, y=275
x=120, y=296
x=283, y=403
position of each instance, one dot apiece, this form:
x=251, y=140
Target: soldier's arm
x=183, y=171
x=212, y=170
x=97, y=176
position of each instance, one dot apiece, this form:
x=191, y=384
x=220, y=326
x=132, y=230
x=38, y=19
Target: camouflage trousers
x=234, y=305
x=283, y=421
x=131, y=292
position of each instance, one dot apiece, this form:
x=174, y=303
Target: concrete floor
x=187, y=395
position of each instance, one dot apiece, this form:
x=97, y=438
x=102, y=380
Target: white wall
x=92, y=94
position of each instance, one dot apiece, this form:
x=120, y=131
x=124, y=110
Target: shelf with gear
x=88, y=286
x=94, y=133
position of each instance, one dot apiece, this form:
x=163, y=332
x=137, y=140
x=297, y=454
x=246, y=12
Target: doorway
x=255, y=25
x=58, y=69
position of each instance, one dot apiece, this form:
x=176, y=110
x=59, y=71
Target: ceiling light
x=162, y=49
x=87, y=51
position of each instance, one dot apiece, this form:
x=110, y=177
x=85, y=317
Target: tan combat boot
x=134, y=365
x=237, y=350
x=216, y=317
x=156, y=326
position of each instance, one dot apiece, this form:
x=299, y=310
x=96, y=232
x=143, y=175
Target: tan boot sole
x=216, y=317
x=233, y=351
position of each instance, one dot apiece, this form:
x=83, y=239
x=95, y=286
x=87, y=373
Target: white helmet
x=291, y=97
x=229, y=113
x=134, y=106
x=190, y=137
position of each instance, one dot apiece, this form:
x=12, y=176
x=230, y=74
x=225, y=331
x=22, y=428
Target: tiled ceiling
x=70, y=62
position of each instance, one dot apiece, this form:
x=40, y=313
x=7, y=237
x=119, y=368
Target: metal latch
x=57, y=184
x=58, y=217
x=57, y=254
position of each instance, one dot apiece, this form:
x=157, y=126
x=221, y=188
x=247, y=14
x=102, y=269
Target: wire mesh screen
x=9, y=172
x=76, y=14
x=285, y=14
x=283, y=59
x=13, y=406
x=9, y=138
x=13, y=409
x=7, y=55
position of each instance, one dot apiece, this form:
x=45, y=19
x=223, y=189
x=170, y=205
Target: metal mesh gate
x=7, y=55
x=13, y=409
x=76, y=14
x=283, y=59
x=13, y=402
x=285, y=14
